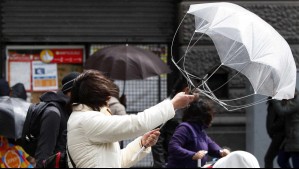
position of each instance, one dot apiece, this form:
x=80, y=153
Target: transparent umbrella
x=247, y=44
x=12, y=116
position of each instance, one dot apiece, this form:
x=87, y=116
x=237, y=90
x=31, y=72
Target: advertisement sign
x=36, y=66
x=62, y=56
x=44, y=76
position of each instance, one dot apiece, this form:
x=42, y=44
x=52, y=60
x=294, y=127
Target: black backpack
x=32, y=126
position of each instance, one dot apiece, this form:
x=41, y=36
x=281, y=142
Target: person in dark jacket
x=18, y=90
x=289, y=109
x=4, y=88
x=275, y=130
x=190, y=143
x=52, y=138
x=160, y=150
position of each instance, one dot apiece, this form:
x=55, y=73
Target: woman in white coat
x=94, y=135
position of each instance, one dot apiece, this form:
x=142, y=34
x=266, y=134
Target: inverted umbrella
x=248, y=44
x=12, y=116
x=124, y=62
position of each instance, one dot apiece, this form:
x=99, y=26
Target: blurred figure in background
x=11, y=154
x=18, y=90
x=160, y=150
x=289, y=109
x=4, y=88
x=190, y=143
x=115, y=106
x=276, y=131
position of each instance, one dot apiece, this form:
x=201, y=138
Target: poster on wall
x=44, y=76
x=37, y=66
x=20, y=73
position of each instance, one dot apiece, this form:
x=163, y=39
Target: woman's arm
x=176, y=145
x=214, y=149
x=107, y=129
x=131, y=154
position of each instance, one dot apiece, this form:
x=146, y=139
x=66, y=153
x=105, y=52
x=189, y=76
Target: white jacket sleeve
x=128, y=154
x=107, y=129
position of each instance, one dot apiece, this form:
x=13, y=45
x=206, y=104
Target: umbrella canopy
x=125, y=62
x=248, y=44
x=12, y=116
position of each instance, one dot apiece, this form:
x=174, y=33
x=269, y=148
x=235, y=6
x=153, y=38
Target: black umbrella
x=12, y=116
x=124, y=62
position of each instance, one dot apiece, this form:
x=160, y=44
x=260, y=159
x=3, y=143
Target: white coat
x=93, y=136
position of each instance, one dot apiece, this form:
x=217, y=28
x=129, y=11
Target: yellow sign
x=12, y=159
x=46, y=56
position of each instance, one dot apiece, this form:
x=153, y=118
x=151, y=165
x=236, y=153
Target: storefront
x=32, y=29
x=41, y=68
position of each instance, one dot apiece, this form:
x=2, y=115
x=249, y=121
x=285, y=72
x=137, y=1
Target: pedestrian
x=94, y=134
x=4, y=88
x=289, y=109
x=114, y=104
x=53, y=125
x=160, y=150
x=276, y=131
x=190, y=143
x=18, y=91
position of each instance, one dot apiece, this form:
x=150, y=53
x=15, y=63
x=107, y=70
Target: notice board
x=41, y=68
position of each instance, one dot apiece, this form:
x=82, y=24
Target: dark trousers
x=284, y=157
x=273, y=150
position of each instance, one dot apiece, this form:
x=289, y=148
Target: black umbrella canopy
x=12, y=116
x=125, y=62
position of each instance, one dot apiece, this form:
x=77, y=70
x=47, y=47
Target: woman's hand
x=181, y=100
x=199, y=155
x=224, y=152
x=149, y=139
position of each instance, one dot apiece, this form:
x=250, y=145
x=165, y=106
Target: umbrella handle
x=123, y=100
x=124, y=87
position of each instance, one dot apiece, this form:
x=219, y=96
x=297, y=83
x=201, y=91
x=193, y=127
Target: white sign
x=20, y=73
x=44, y=76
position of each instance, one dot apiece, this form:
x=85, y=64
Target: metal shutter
x=88, y=20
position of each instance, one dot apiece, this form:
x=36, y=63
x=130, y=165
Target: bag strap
x=68, y=153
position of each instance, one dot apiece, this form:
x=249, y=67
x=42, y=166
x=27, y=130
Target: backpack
x=31, y=132
x=31, y=128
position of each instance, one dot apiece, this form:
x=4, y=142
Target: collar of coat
x=84, y=108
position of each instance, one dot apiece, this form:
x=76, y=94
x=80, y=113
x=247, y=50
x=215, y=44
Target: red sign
x=62, y=56
x=66, y=56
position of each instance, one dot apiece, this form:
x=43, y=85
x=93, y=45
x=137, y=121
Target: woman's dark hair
x=178, y=86
x=199, y=112
x=19, y=91
x=93, y=89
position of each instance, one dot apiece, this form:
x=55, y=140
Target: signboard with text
x=36, y=66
